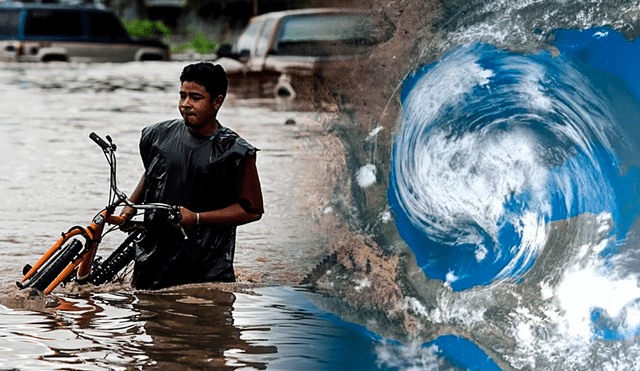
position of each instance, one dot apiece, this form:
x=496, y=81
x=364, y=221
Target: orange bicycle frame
x=92, y=234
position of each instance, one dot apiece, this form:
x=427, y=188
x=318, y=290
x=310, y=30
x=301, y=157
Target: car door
x=9, y=34
x=255, y=71
x=263, y=44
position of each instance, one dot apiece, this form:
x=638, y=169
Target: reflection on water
x=192, y=329
x=199, y=327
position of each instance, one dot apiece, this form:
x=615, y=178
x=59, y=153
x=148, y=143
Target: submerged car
x=291, y=52
x=47, y=32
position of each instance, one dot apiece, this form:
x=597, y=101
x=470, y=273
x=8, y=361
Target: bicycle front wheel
x=69, y=251
x=118, y=259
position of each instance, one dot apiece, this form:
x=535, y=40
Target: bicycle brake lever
x=184, y=234
x=175, y=216
x=113, y=145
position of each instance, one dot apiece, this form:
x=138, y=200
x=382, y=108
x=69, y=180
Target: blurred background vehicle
x=289, y=53
x=56, y=32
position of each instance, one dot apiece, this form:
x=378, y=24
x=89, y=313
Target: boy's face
x=196, y=106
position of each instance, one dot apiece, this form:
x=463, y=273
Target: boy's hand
x=128, y=212
x=189, y=219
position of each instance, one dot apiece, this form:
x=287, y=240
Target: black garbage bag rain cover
x=201, y=174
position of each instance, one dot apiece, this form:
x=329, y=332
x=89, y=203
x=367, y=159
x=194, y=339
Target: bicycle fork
x=82, y=261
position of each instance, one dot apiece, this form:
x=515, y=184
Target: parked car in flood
x=48, y=32
x=289, y=52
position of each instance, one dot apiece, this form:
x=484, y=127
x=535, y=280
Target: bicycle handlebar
x=174, y=211
x=99, y=141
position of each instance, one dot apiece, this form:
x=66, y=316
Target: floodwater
x=53, y=177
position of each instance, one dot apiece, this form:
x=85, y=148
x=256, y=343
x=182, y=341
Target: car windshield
x=327, y=34
x=246, y=40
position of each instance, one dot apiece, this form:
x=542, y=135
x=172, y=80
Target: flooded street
x=53, y=177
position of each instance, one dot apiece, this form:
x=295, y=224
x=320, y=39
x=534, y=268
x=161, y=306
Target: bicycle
x=69, y=259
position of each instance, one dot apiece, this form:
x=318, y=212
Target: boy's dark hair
x=211, y=76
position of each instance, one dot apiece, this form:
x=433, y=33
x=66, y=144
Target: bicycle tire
x=118, y=259
x=69, y=251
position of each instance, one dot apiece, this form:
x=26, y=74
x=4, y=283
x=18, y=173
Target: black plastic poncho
x=201, y=174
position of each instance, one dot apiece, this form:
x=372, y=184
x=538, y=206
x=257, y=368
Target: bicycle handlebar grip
x=176, y=215
x=99, y=141
x=117, y=220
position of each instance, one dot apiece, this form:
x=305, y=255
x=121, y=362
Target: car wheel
x=55, y=58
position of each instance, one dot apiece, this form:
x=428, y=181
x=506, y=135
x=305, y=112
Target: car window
x=245, y=41
x=326, y=27
x=9, y=22
x=326, y=34
x=50, y=22
x=105, y=25
x=263, y=41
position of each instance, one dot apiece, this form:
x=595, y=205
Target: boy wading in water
x=206, y=169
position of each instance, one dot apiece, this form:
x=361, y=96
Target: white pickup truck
x=290, y=53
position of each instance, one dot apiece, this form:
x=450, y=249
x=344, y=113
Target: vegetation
x=142, y=28
x=199, y=43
